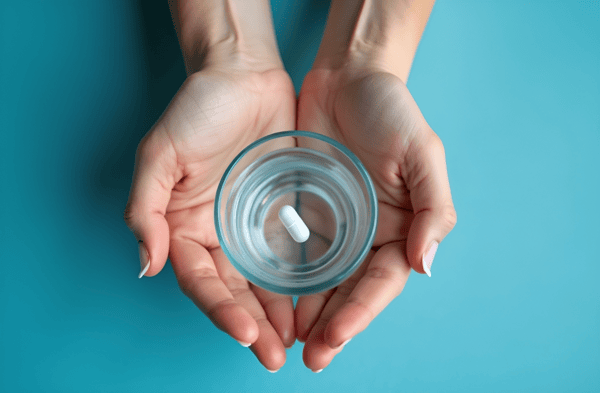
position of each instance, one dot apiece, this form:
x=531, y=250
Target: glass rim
x=315, y=288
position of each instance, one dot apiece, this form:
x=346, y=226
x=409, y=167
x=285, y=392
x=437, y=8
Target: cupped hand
x=373, y=113
x=216, y=113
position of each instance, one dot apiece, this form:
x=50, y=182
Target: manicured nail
x=243, y=344
x=317, y=371
x=342, y=345
x=286, y=336
x=272, y=371
x=144, y=259
x=428, y=257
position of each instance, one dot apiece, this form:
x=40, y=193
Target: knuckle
x=449, y=217
x=235, y=283
x=221, y=308
x=143, y=148
x=238, y=291
x=179, y=231
x=435, y=145
x=185, y=288
x=189, y=281
x=130, y=214
x=365, y=309
x=387, y=274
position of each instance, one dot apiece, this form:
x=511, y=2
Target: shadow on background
x=162, y=75
x=157, y=72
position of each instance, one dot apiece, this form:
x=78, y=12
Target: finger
x=308, y=309
x=317, y=354
x=280, y=313
x=382, y=281
x=393, y=224
x=427, y=180
x=154, y=176
x=199, y=280
x=268, y=348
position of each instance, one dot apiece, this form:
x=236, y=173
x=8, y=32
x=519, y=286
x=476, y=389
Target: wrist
x=229, y=55
x=355, y=60
x=378, y=34
x=235, y=33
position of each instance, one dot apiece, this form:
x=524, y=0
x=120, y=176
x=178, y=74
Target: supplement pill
x=294, y=224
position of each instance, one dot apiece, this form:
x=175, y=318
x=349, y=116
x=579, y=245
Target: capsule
x=294, y=224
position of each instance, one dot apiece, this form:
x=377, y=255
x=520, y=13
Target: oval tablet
x=294, y=224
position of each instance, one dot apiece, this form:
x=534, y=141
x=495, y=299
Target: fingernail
x=272, y=371
x=428, y=257
x=243, y=344
x=290, y=335
x=144, y=259
x=317, y=371
x=342, y=345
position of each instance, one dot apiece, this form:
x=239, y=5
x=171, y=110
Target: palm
x=374, y=115
x=211, y=119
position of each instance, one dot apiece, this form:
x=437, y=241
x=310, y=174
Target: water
x=329, y=198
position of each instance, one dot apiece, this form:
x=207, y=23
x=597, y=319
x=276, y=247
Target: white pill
x=294, y=224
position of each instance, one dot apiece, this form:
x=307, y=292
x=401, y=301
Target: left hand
x=372, y=113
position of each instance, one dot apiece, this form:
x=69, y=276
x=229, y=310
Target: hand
x=372, y=113
x=217, y=112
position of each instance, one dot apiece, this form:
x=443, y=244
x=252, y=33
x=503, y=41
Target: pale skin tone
x=237, y=91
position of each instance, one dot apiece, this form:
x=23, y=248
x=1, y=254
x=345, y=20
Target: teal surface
x=512, y=88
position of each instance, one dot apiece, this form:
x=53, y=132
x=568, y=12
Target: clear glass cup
x=330, y=190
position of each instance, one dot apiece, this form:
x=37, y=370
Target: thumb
x=153, y=179
x=427, y=180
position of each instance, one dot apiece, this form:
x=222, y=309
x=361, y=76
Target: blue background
x=512, y=88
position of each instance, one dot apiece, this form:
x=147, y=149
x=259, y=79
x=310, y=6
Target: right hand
x=216, y=113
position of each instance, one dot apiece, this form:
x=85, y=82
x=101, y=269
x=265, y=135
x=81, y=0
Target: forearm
x=238, y=32
x=382, y=33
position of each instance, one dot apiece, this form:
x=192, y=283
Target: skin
x=372, y=112
x=237, y=91
x=356, y=94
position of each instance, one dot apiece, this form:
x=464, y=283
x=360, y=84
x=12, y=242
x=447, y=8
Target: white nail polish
x=342, y=345
x=428, y=257
x=144, y=259
x=317, y=371
x=243, y=344
x=272, y=371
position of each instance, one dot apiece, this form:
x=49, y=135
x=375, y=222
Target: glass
x=328, y=187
